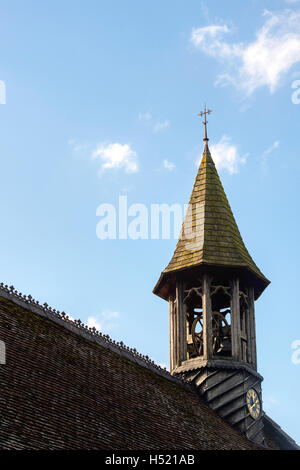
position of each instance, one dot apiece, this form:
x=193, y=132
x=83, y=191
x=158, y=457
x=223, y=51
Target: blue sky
x=101, y=101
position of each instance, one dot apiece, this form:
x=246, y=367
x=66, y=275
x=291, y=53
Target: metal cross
x=204, y=113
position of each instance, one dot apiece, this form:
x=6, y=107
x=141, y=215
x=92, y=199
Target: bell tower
x=211, y=284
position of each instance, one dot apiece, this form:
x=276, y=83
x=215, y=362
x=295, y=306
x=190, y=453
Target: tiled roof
x=276, y=438
x=64, y=388
x=210, y=235
x=77, y=326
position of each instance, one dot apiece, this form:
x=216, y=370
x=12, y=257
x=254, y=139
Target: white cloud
x=105, y=322
x=145, y=116
x=78, y=147
x=156, y=124
x=116, y=156
x=226, y=156
x=262, y=62
x=161, y=126
x=265, y=155
x=210, y=40
x=168, y=165
x=94, y=322
x=272, y=147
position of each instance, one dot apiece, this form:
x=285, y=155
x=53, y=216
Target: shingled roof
x=66, y=386
x=210, y=235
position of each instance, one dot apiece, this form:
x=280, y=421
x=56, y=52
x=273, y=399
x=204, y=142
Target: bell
x=225, y=346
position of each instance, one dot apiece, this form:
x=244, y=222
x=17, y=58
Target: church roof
x=275, y=437
x=210, y=235
x=67, y=386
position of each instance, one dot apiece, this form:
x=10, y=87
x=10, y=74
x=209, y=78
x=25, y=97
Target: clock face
x=253, y=403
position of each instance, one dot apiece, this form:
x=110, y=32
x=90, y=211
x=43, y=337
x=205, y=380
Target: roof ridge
x=280, y=431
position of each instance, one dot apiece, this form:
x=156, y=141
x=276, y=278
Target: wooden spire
x=210, y=236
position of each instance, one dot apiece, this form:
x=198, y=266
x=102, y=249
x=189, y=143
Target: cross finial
x=204, y=113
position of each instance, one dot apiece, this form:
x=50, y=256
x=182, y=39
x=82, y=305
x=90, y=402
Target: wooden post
x=248, y=332
x=172, y=333
x=207, y=318
x=235, y=321
x=181, y=323
x=252, y=339
x=184, y=327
